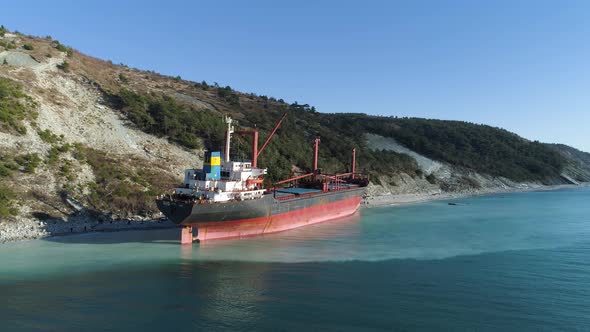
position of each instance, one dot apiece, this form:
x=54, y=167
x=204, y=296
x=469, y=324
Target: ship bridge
x=221, y=182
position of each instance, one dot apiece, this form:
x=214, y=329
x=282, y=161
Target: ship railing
x=287, y=197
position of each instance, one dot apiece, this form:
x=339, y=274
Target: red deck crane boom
x=255, y=151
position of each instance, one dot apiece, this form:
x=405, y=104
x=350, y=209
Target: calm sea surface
x=518, y=262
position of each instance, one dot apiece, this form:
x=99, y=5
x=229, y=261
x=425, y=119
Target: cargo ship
x=227, y=199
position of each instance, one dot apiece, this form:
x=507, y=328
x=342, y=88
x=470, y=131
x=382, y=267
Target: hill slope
x=79, y=133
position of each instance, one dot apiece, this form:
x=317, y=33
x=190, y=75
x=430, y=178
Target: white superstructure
x=223, y=181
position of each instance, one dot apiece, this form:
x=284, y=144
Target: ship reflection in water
x=222, y=294
x=233, y=277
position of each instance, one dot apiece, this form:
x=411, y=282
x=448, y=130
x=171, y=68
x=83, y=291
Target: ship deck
x=291, y=193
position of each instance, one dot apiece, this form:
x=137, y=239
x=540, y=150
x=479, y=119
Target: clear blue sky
x=520, y=65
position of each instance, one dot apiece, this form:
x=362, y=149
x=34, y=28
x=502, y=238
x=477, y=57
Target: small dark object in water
x=451, y=203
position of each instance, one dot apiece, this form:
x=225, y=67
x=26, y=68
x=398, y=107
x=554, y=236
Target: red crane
x=255, y=151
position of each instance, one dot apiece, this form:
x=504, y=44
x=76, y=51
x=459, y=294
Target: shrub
x=53, y=156
x=78, y=151
x=2, y=31
x=66, y=171
x=65, y=66
x=58, y=46
x=8, y=45
x=29, y=162
x=64, y=148
x=11, y=165
x=15, y=106
x=28, y=47
x=203, y=85
x=123, y=78
x=5, y=171
x=48, y=137
x=69, y=52
x=7, y=197
x=224, y=92
x=431, y=178
x=228, y=94
x=123, y=188
x=7, y=165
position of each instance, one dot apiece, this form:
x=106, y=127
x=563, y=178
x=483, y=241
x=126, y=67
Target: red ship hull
x=274, y=223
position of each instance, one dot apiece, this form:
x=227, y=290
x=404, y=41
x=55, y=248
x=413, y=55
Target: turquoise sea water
x=518, y=262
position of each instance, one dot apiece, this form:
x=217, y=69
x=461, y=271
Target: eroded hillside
x=65, y=141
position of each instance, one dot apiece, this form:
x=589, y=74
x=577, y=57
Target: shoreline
x=35, y=230
x=414, y=198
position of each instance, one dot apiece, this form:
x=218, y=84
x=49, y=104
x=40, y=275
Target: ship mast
x=230, y=130
x=255, y=151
